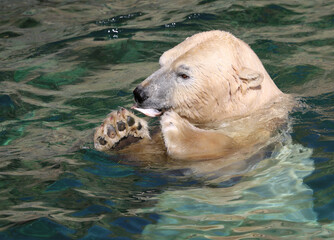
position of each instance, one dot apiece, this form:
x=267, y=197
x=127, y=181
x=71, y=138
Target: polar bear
x=214, y=99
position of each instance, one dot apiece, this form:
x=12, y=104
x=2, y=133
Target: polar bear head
x=207, y=78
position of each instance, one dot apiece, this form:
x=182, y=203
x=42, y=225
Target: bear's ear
x=249, y=78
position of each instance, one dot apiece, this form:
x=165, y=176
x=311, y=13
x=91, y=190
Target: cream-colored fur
x=227, y=107
x=224, y=67
x=230, y=84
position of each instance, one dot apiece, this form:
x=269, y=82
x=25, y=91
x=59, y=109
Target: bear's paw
x=119, y=125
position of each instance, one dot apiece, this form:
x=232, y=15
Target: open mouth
x=151, y=112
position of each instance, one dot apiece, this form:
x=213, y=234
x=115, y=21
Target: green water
x=65, y=64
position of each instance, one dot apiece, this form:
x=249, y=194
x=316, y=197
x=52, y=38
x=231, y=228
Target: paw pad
x=121, y=126
x=130, y=120
x=111, y=132
x=117, y=126
x=102, y=141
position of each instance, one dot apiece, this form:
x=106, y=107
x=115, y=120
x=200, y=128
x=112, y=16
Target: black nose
x=139, y=94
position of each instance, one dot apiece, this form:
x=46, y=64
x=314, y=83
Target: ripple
x=55, y=81
x=124, y=51
x=325, y=22
x=27, y=23
x=118, y=19
x=297, y=75
x=271, y=15
x=39, y=229
x=13, y=107
x=9, y=34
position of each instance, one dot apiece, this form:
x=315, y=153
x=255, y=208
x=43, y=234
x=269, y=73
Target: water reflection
x=272, y=191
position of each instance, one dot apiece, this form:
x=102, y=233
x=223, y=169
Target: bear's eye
x=184, y=76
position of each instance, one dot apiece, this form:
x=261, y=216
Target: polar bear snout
x=139, y=94
x=153, y=96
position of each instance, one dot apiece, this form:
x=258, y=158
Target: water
x=66, y=64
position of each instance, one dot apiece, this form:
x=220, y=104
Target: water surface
x=66, y=64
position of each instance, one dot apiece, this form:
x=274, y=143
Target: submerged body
x=215, y=101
